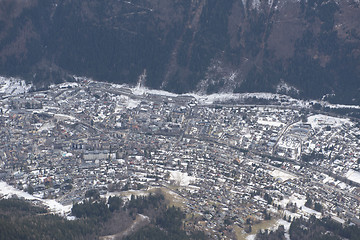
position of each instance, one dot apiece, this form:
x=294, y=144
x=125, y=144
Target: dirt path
x=139, y=222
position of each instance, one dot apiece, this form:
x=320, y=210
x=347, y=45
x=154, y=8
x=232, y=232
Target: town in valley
x=233, y=163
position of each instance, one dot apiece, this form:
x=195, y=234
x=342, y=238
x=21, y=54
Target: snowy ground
x=270, y=123
x=131, y=103
x=319, y=120
x=326, y=104
x=13, y=86
x=297, y=199
x=125, y=102
x=140, y=90
x=46, y=127
x=143, y=90
x=129, y=193
x=278, y=223
x=251, y=237
x=8, y=191
x=281, y=175
x=221, y=97
x=68, y=85
x=353, y=176
x=208, y=99
x=285, y=88
x=63, y=117
x=300, y=201
x=328, y=179
x=182, y=179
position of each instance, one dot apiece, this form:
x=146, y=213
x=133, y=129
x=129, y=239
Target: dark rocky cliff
x=188, y=45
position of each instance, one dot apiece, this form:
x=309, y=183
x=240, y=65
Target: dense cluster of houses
x=229, y=165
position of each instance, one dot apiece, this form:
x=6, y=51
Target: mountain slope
x=188, y=45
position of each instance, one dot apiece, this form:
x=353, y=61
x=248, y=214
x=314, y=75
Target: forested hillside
x=96, y=218
x=307, y=48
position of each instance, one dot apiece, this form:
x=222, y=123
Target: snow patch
x=319, y=120
x=67, y=154
x=297, y=199
x=285, y=88
x=68, y=85
x=353, y=176
x=256, y=4
x=251, y=237
x=281, y=175
x=336, y=106
x=310, y=211
x=222, y=97
x=8, y=191
x=46, y=127
x=13, y=86
x=274, y=227
x=182, y=179
x=141, y=90
x=270, y=123
x=131, y=103
x=129, y=193
x=63, y=117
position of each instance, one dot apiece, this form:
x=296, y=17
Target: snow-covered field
x=281, y=175
x=63, y=117
x=129, y=193
x=285, y=88
x=270, y=123
x=125, y=101
x=131, y=103
x=297, y=199
x=13, y=86
x=319, y=120
x=46, y=127
x=300, y=201
x=68, y=85
x=274, y=227
x=353, y=176
x=182, y=179
x=8, y=191
x=139, y=90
